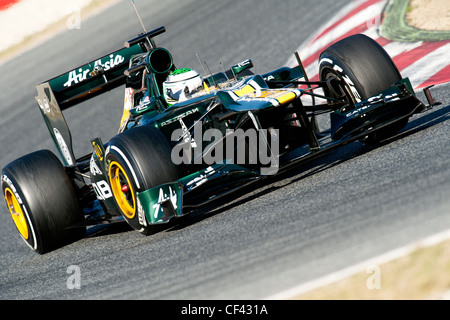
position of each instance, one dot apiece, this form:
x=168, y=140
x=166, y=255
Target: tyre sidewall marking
x=329, y=63
x=142, y=221
x=124, y=158
x=30, y=241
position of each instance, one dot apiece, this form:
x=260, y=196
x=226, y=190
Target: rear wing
x=83, y=83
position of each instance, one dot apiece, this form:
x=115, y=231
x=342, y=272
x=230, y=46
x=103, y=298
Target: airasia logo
x=77, y=76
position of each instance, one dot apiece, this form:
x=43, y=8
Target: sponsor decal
x=197, y=181
x=95, y=170
x=373, y=100
x=141, y=213
x=44, y=105
x=172, y=196
x=77, y=76
x=63, y=146
x=98, y=150
x=179, y=117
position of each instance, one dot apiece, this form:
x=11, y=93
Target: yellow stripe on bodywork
x=282, y=96
x=285, y=97
x=244, y=91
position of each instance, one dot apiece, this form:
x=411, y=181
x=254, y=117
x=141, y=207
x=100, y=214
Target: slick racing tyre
x=42, y=201
x=365, y=69
x=138, y=159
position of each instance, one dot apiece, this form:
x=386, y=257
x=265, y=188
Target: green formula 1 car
x=186, y=140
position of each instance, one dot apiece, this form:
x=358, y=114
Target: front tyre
x=138, y=159
x=365, y=69
x=42, y=201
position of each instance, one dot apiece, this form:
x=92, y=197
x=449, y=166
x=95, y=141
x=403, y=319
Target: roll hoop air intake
x=159, y=60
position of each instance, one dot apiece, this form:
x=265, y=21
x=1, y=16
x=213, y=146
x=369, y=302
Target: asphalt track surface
x=339, y=210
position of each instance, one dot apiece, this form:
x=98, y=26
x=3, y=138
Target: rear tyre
x=42, y=201
x=138, y=159
x=365, y=69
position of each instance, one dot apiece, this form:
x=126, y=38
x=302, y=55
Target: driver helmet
x=181, y=84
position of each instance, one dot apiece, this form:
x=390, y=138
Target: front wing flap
x=392, y=105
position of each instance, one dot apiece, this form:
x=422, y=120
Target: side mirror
x=242, y=66
x=145, y=107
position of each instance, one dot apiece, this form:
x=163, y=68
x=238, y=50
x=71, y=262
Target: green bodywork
x=165, y=202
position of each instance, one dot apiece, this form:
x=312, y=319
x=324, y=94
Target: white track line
x=360, y=267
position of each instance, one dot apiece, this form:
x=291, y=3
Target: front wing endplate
x=162, y=203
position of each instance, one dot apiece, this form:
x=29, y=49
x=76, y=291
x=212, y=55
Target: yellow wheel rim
x=122, y=189
x=16, y=212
